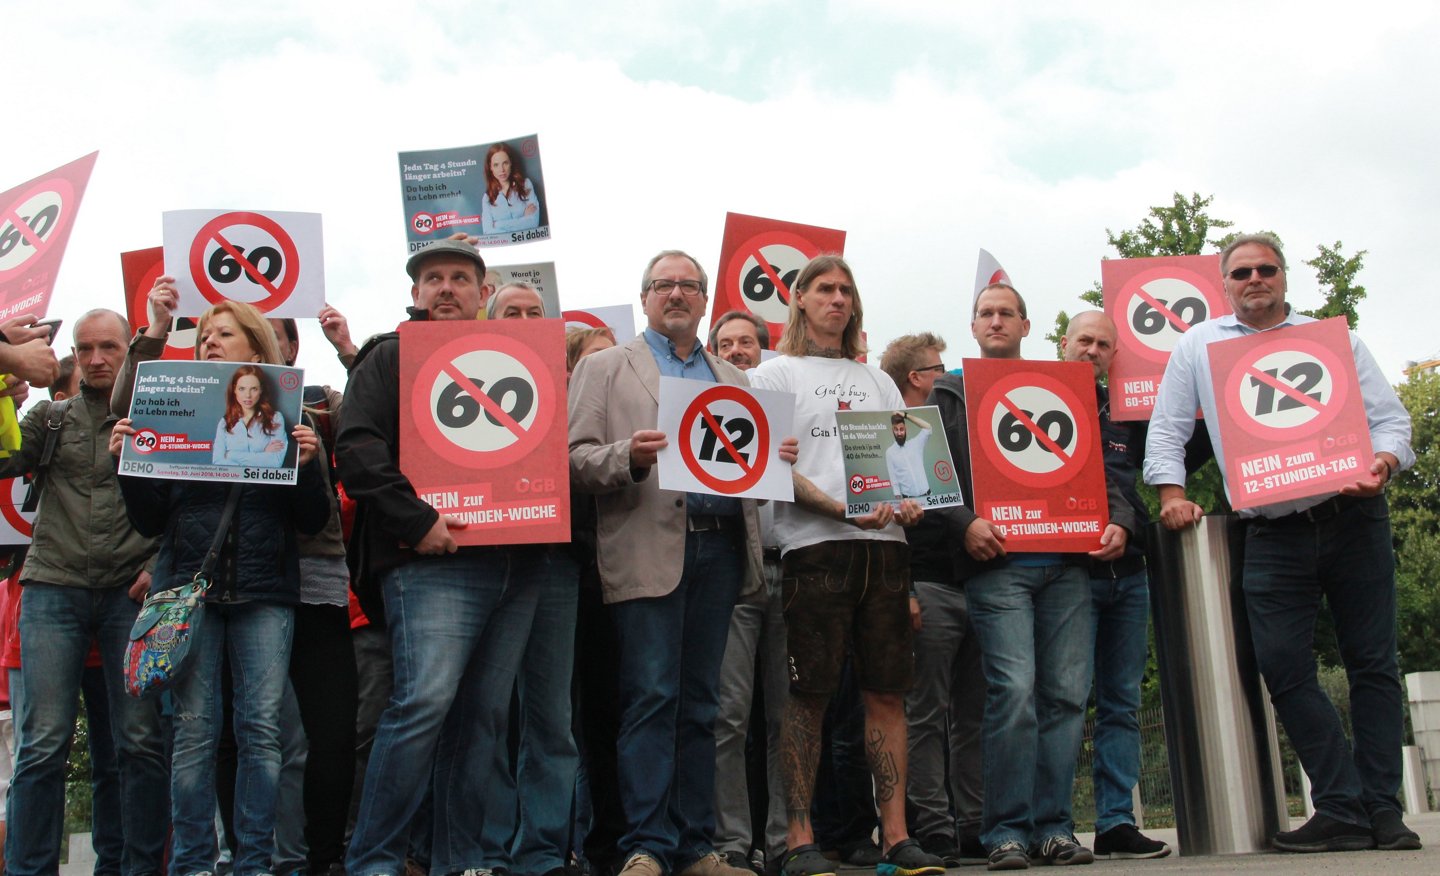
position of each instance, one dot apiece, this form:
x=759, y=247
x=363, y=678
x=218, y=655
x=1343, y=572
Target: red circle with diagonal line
x=750, y=471
x=213, y=231
x=1152, y=306
x=1281, y=406
x=492, y=437
x=12, y=496
x=581, y=319
x=56, y=193
x=777, y=254
x=1046, y=398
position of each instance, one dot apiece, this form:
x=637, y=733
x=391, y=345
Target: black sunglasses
x=1240, y=275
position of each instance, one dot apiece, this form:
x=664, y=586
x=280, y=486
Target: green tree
x=1182, y=228
x=1336, y=275
x=1415, y=523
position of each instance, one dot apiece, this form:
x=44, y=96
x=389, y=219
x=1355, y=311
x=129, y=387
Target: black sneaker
x=1009, y=855
x=907, y=858
x=943, y=848
x=972, y=848
x=806, y=861
x=1125, y=841
x=860, y=853
x=1324, y=834
x=1390, y=832
x=1063, y=850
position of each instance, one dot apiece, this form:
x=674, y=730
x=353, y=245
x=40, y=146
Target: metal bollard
x=1219, y=727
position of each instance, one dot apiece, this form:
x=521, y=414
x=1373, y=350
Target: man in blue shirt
x=1335, y=546
x=671, y=567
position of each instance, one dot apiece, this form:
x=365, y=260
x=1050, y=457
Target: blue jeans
x=671, y=648
x=1349, y=561
x=107, y=831
x=1122, y=616
x=57, y=625
x=440, y=610
x=1035, y=627
x=256, y=636
x=529, y=801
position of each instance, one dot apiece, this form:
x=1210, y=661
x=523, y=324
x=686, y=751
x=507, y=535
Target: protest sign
x=494, y=191
x=1153, y=302
x=272, y=260
x=483, y=426
x=539, y=276
x=760, y=260
x=619, y=318
x=16, y=525
x=36, y=218
x=214, y=421
x=140, y=269
x=1292, y=420
x=1035, y=457
x=724, y=439
x=888, y=461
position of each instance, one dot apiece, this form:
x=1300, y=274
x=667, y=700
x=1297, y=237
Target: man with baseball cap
x=440, y=601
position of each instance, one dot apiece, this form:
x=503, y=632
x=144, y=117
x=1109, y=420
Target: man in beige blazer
x=672, y=565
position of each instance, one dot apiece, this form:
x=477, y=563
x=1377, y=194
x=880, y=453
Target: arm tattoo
x=811, y=498
x=882, y=766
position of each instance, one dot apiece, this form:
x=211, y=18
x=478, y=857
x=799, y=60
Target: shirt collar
x=663, y=346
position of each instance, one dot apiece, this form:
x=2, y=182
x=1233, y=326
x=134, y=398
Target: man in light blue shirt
x=1337, y=546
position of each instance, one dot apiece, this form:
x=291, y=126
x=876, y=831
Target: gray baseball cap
x=444, y=247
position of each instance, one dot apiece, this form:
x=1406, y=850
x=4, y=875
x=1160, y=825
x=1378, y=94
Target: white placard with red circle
x=619, y=318
x=483, y=434
x=16, y=526
x=1292, y=420
x=1153, y=302
x=36, y=218
x=1035, y=454
x=272, y=260
x=724, y=439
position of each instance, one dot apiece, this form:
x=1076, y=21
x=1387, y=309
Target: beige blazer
x=641, y=530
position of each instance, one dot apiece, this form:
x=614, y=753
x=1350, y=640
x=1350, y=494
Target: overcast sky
x=926, y=129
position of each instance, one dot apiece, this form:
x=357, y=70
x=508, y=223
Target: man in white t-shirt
x=843, y=579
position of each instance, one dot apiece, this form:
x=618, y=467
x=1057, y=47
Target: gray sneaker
x=1063, y=850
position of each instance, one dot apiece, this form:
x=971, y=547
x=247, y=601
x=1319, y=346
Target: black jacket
x=258, y=560
x=940, y=535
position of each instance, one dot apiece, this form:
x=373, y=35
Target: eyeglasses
x=665, y=287
x=938, y=368
x=1240, y=275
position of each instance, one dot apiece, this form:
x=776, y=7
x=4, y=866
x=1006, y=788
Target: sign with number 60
x=272, y=260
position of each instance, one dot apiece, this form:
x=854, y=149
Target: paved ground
x=1426, y=861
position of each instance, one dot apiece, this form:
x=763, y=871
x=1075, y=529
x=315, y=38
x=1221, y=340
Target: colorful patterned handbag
x=168, y=622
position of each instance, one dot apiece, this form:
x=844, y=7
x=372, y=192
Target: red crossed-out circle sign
x=141, y=269
x=1286, y=389
x=725, y=450
x=145, y=441
x=216, y=233
x=27, y=226
x=1033, y=430
x=582, y=319
x=763, y=269
x=484, y=401
x=12, y=496
x=943, y=470
x=1155, y=307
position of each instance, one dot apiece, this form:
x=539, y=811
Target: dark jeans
x=597, y=665
x=322, y=669
x=1348, y=560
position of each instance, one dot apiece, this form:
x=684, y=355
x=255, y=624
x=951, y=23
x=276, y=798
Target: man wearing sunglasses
x=1337, y=547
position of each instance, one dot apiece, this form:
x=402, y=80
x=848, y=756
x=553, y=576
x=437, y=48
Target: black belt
x=1122, y=567
x=1331, y=507
x=711, y=522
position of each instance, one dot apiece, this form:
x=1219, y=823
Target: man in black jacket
x=1120, y=589
x=1032, y=615
x=441, y=601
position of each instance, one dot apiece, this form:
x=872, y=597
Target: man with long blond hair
x=845, y=579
